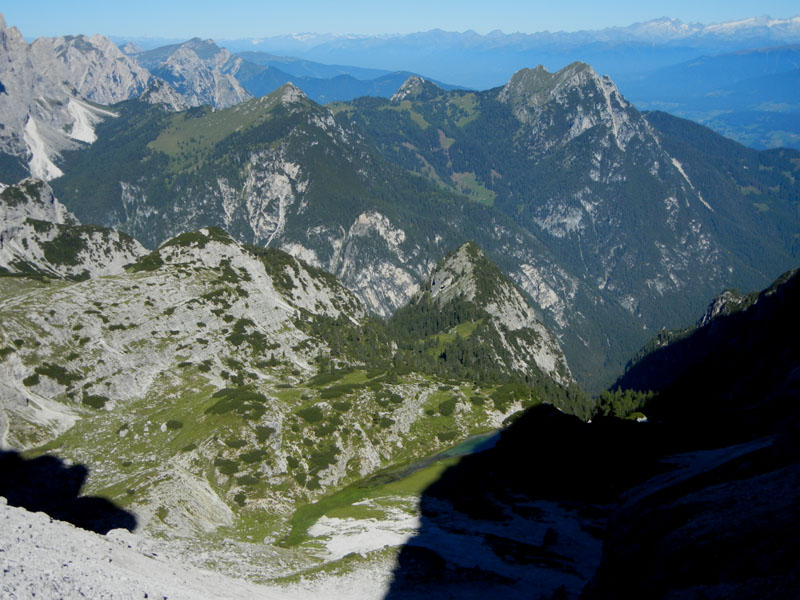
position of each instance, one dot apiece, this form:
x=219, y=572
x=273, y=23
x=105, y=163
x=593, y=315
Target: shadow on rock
x=525, y=518
x=48, y=485
x=701, y=502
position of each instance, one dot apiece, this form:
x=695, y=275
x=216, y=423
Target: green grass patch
x=242, y=401
x=381, y=484
x=468, y=185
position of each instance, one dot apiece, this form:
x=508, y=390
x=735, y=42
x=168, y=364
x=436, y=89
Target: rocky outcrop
x=39, y=235
x=516, y=340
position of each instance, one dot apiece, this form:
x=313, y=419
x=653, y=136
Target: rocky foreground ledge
x=41, y=557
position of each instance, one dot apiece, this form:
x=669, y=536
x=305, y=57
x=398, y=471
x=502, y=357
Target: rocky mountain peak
x=581, y=98
x=535, y=86
x=95, y=66
x=467, y=274
x=456, y=274
x=10, y=37
x=198, y=69
x=289, y=93
x=207, y=49
x=160, y=92
x=519, y=341
x=130, y=48
x=417, y=88
x=727, y=302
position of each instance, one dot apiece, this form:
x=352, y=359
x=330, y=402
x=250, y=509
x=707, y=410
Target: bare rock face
x=202, y=72
x=49, y=90
x=97, y=69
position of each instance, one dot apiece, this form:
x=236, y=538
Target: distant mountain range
x=739, y=78
x=481, y=61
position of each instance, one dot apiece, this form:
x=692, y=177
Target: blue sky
x=254, y=18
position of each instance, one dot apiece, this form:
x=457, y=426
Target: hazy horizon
x=245, y=19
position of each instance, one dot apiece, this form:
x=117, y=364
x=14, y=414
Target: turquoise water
x=471, y=445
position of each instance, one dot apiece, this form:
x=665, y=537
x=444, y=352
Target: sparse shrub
x=342, y=405
x=226, y=466
x=324, y=429
x=337, y=391
x=189, y=447
x=240, y=499
x=326, y=378
x=95, y=401
x=235, y=443
x=312, y=414
x=149, y=262
x=510, y=419
x=320, y=460
x=174, y=424
x=264, y=432
x=31, y=380
x=254, y=456
x=447, y=407
x=247, y=480
x=293, y=462
x=447, y=436
x=503, y=396
x=57, y=373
